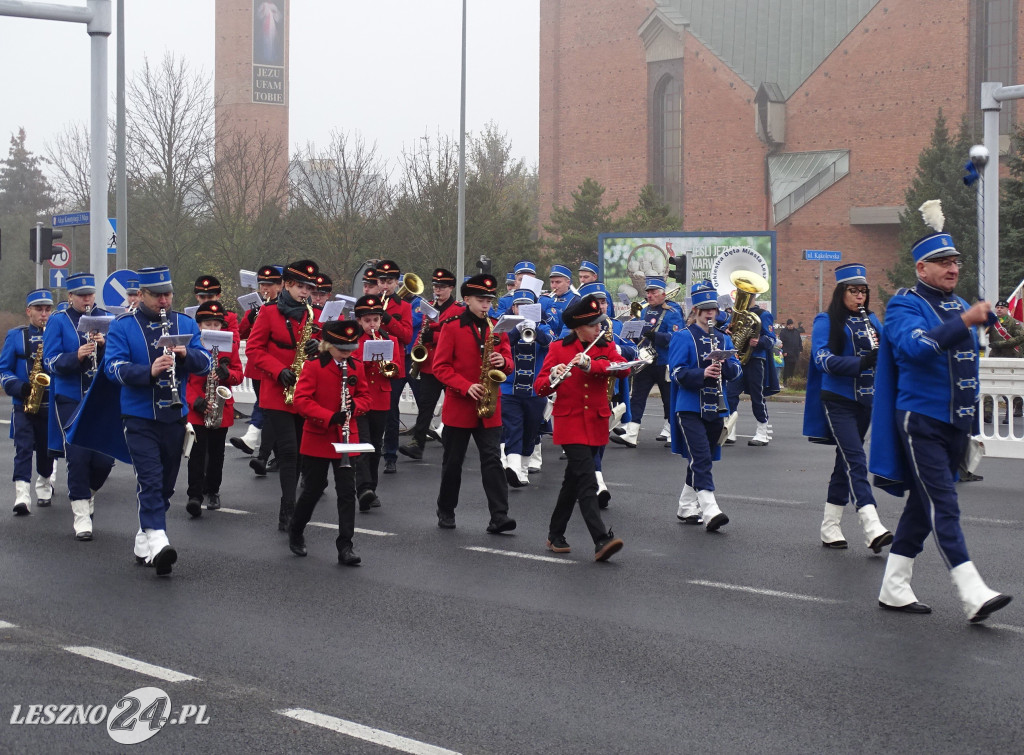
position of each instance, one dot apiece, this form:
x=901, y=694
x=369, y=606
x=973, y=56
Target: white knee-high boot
x=978, y=600
x=713, y=516
x=876, y=536
x=83, y=520
x=22, y=497
x=688, y=511
x=831, y=534
x=896, y=593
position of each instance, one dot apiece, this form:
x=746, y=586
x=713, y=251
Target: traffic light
x=677, y=269
x=44, y=243
x=484, y=265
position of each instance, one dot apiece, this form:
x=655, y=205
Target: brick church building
x=803, y=117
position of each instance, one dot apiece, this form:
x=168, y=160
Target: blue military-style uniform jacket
x=528, y=358
x=837, y=373
x=927, y=364
x=666, y=321
x=688, y=357
x=16, y=360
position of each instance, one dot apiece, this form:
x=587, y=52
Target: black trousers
x=430, y=391
x=492, y=474
x=315, y=469
x=206, y=463
x=266, y=431
x=579, y=483
x=287, y=430
x=371, y=430
x=789, y=367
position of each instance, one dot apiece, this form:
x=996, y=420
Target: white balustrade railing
x=1002, y=396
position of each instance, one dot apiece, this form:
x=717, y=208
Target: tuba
x=39, y=381
x=744, y=324
x=490, y=379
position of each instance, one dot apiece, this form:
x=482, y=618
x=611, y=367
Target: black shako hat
x=483, y=284
x=342, y=334
x=211, y=310
x=206, y=284
x=442, y=277
x=324, y=284
x=369, y=305
x=269, y=274
x=302, y=271
x=388, y=269
x=586, y=311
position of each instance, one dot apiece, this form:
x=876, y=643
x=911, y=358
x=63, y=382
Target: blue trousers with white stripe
x=849, y=422
x=700, y=439
x=933, y=450
x=87, y=469
x=29, y=432
x=521, y=417
x=752, y=382
x=155, y=448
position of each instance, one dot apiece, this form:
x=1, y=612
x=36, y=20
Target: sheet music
x=507, y=323
x=532, y=283
x=248, y=279
x=720, y=355
x=531, y=312
x=378, y=350
x=332, y=311
x=428, y=311
x=174, y=339
x=623, y=366
x=94, y=323
x=632, y=329
x=248, y=301
x=221, y=339
x=191, y=311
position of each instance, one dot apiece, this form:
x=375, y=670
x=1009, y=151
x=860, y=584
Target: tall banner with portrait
x=627, y=258
x=269, y=38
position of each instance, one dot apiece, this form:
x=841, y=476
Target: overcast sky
x=389, y=70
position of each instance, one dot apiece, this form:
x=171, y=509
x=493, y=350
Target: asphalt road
x=755, y=639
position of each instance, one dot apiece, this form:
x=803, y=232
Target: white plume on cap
x=931, y=211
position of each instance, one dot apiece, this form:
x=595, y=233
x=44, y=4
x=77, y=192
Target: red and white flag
x=1016, y=303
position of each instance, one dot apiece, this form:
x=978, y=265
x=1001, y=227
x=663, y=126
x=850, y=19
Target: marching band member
x=397, y=321
x=324, y=286
x=318, y=399
x=131, y=292
x=510, y=282
x=459, y=363
x=443, y=285
x=925, y=409
x=760, y=379
x=663, y=321
x=699, y=408
x=840, y=390
x=206, y=462
x=521, y=269
x=368, y=311
x=208, y=288
x=20, y=361
x=589, y=273
x=579, y=366
x=276, y=347
x=562, y=295
x=152, y=379
x=522, y=409
x=269, y=282
x=72, y=360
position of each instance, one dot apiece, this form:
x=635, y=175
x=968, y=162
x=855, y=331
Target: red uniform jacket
x=318, y=397
x=270, y=349
x=196, y=388
x=246, y=321
x=231, y=320
x=581, y=409
x=379, y=387
x=450, y=312
x=457, y=364
x=400, y=327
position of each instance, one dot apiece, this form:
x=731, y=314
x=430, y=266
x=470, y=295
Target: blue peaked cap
x=933, y=247
x=81, y=283
x=852, y=274
x=561, y=270
x=39, y=296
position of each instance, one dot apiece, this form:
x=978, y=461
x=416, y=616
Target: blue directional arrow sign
x=114, y=293
x=820, y=255
x=57, y=277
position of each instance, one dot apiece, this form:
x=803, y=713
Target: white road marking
x=123, y=661
x=7, y=625
x=984, y=520
x=5, y=422
x=514, y=554
x=1007, y=627
x=359, y=530
x=358, y=731
x=759, y=499
x=233, y=511
x=760, y=591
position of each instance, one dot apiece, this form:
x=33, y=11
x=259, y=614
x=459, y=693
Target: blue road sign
x=112, y=237
x=818, y=255
x=114, y=294
x=57, y=277
x=72, y=218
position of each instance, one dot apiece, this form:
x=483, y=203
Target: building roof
x=780, y=41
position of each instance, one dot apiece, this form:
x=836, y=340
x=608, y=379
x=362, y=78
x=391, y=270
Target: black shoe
x=272, y=465
x=21, y=509
x=258, y=466
x=412, y=450
x=606, y=547
x=164, y=560
x=513, y=479
x=501, y=524
x=297, y=543
x=909, y=608
x=730, y=441
x=619, y=430
x=390, y=466
x=837, y=545
x=432, y=435
x=282, y=526
x=446, y=521
x=990, y=607
x=971, y=477
x=603, y=499
x=691, y=519
x=366, y=500
x=348, y=557
x=375, y=503
x=43, y=503
x=558, y=544
x=881, y=541
x=242, y=446
x=213, y=501
x=718, y=520
x=194, y=507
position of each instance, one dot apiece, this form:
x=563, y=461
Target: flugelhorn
x=412, y=286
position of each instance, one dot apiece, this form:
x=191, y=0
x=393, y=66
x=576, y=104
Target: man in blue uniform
x=590, y=275
x=925, y=409
x=29, y=425
x=561, y=297
x=72, y=359
x=662, y=321
x=522, y=268
x=151, y=380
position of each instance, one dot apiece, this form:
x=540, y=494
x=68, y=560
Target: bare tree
x=70, y=158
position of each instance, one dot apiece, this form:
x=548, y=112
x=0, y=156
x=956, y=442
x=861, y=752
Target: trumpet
x=527, y=334
x=555, y=380
x=387, y=368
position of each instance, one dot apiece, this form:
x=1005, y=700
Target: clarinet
x=89, y=339
x=165, y=326
x=344, y=407
x=872, y=335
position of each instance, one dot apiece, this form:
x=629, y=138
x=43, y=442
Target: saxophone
x=300, y=354
x=490, y=379
x=216, y=395
x=39, y=380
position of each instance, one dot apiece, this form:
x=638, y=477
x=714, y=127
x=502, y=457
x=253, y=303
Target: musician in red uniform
x=398, y=323
x=318, y=398
x=269, y=282
x=443, y=284
x=324, y=285
x=368, y=311
x=272, y=348
x=208, y=288
x=206, y=462
x=580, y=418
x=458, y=364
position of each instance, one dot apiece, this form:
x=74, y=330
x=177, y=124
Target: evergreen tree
x=575, y=229
x=650, y=214
x=940, y=170
x=1011, y=218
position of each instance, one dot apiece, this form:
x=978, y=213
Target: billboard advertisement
x=268, y=52
x=627, y=258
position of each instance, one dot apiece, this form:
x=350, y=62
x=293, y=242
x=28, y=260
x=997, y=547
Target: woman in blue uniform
x=840, y=392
